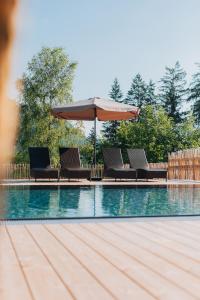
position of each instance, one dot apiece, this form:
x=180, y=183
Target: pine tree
x=150, y=97
x=116, y=93
x=173, y=91
x=110, y=128
x=195, y=95
x=137, y=93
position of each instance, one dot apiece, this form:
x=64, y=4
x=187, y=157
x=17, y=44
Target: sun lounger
x=138, y=161
x=71, y=165
x=40, y=164
x=114, y=166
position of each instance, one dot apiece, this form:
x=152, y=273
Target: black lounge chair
x=114, y=166
x=138, y=161
x=40, y=164
x=71, y=165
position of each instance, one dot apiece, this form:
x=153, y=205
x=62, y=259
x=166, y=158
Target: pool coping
x=101, y=220
x=105, y=182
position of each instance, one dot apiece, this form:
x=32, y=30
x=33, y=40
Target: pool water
x=40, y=202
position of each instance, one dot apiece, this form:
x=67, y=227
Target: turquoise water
x=24, y=202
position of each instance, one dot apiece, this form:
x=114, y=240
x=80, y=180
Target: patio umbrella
x=94, y=109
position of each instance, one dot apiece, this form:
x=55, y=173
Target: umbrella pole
x=95, y=141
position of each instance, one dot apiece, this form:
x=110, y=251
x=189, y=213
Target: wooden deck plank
x=81, y=282
x=156, y=285
x=193, y=223
x=176, y=243
x=159, y=248
x=182, y=279
x=177, y=234
x=192, y=227
x=43, y=280
x=119, y=285
x=156, y=237
x=120, y=260
x=188, y=230
x=11, y=275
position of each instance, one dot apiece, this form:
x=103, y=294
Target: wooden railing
x=16, y=171
x=184, y=164
x=181, y=165
x=161, y=165
x=21, y=171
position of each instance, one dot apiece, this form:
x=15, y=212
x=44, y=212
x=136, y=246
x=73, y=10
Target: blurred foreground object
x=8, y=109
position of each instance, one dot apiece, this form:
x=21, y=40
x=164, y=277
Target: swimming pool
x=47, y=202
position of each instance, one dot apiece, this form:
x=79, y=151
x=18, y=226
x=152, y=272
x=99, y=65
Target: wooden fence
x=21, y=171
x=184, y=164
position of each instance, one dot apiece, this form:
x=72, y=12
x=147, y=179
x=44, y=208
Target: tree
x=150, y=97
x=157, y=134
x=195, y=95
x=137, y=92
x=116, y=93
x=110, y=127
x=47, y=82
x=187, y=134
x=153, y=132
x=173, y=91
x=87, y=150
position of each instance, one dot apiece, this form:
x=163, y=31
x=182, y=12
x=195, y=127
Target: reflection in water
x=3, y=203
x=39, y=199
x=69, y=199
x=71, y=202
x=150, y=201
x=125, y=202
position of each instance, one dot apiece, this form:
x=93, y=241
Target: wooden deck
x=108, y=260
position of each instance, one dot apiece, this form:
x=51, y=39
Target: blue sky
x=109, y=39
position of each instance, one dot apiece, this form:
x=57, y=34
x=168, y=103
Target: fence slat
x=184, y=164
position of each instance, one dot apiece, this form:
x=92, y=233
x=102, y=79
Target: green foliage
x=150, y=97
x=173, y=91
x=110, y=127
x=116, y=93
x=47, y=82
x=141, y=93
x=157, y=134
x=187, y=134
x=87, y=150
x=195, y=95
x=159, y=129
x=137, y=92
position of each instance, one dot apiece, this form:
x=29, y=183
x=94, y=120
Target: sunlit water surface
x=34, y=202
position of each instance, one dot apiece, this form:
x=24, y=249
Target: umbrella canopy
x=92, y=108
x=96, y=109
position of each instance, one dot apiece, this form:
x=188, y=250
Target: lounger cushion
x=76, y=169
x=44, y=173
x=120, y=173
x=151, y=173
